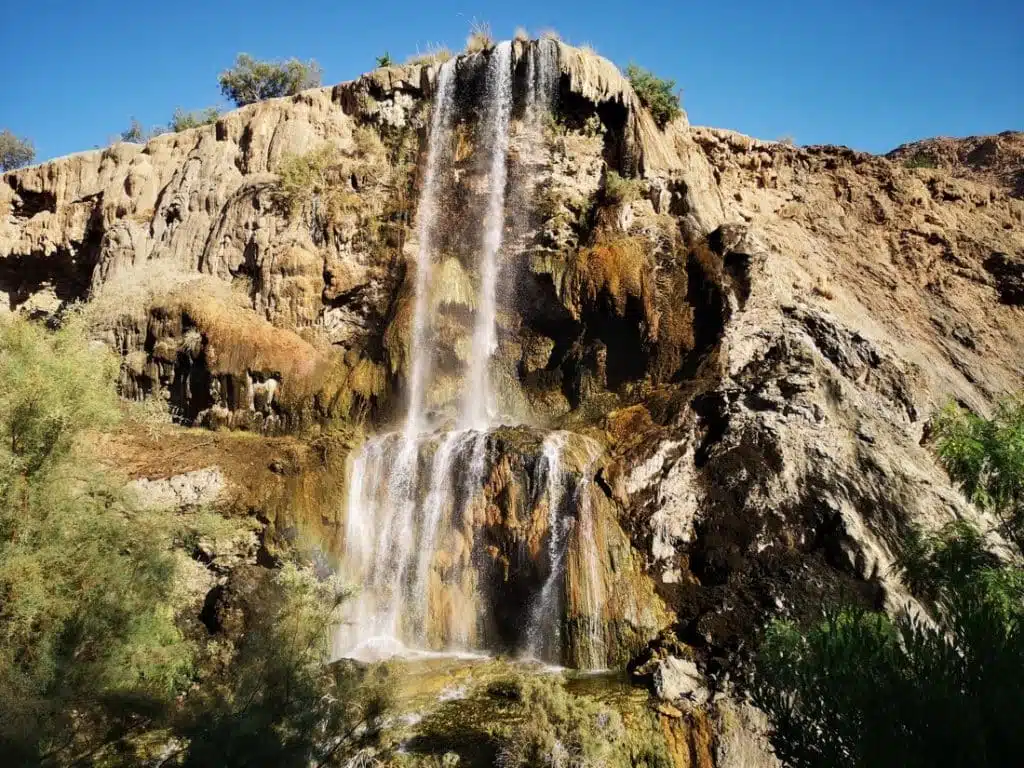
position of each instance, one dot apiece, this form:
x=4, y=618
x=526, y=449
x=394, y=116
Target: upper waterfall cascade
x=415, y=495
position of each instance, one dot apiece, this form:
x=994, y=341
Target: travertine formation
x=755, y=334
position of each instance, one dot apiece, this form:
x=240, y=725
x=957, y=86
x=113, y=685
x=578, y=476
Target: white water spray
x=478, y=408
x=426, y=222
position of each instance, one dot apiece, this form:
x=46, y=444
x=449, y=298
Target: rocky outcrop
x=994, y=160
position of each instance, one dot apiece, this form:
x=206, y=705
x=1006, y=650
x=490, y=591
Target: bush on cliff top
x=15, y=152
x=251, y=80
x=655, y=93
x=182, y=120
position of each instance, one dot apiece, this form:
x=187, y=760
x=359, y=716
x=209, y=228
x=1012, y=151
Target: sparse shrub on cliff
x=251, y=80
x=434, y=54
x=480, y=37
x=920, y=160
x=385, y=60
x=618, y=189
x=182, y=120
x=15, y=152
x=136, y=134
x=657, y=94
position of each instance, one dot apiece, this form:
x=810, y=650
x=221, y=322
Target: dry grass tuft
x=521, y=35
x=480, y=38
x=239, y=340
x=434, y=54
x=550, y=34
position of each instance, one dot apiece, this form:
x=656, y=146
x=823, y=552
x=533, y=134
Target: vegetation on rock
x=97, y=665
x=15, y=152
x=657, y=94
x=251, y=80
x=865, y=689
x=182, y=120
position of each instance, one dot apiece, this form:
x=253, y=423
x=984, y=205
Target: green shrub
x=658, y=95
x=15, y=152
x=89, y=651
x=182, y=120
x=618, y=189
x=251, y=80
x=986, y=457
x=861, y=689
x=278, y=701
x=921, y=160
x=385, y=60
x=553, y=727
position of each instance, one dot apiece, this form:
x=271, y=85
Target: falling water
x=542, y=634
x=592, y=652
x=426, y=223
x=478, y=408
x=408, y=489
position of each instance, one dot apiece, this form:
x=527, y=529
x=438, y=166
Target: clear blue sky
x=867, y=73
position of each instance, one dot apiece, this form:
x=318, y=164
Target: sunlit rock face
x=614, y=379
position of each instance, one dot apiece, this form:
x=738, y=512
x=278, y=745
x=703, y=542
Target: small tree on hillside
x=657, y=94
x=251, y=80
x=15, y=152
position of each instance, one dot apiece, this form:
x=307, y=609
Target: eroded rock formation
x=754, y=334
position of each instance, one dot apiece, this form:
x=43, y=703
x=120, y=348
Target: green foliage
x=15, y=152
x=385, y=60
x=986, y=456
x=658, y=95
x=95, y=666
x=89, y=651
x=277, y=701
x=920, y=160
x=251, y=80
x=182, y=120
x=618, y=189
x=556, y=728
x=861, y=689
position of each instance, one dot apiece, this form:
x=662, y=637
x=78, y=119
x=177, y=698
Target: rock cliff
x=755, y=334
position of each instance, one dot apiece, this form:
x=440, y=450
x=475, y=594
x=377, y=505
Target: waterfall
x=543, y=631
x=438, y=141
x=592, y=649
x=411, y=504
x=478, y=408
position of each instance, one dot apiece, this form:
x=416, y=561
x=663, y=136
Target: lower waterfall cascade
x=417, y=510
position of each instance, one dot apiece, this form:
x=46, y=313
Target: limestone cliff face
x=756, y=333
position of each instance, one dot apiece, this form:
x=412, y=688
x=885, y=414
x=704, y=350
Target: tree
x=89, y=652
x=182, y=120
x=862, y=689
x=385, y=60
x=657, y=94
x=15, y=152
x=251, y=80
